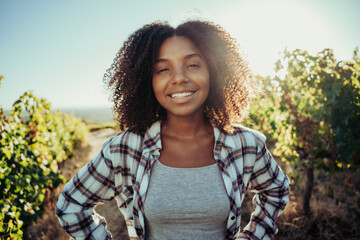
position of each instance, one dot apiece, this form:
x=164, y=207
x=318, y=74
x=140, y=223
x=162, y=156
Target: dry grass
x=335, y=205
x=335, y=210
x=94, y=126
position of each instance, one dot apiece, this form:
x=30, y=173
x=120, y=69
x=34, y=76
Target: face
x=181, y=79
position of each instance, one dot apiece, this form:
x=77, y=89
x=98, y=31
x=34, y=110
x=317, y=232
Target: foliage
x=312, y=108
x=33, y=141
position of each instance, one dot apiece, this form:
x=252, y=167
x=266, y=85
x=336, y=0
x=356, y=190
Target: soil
x=48, y=226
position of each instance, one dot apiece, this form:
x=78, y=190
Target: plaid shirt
x=122, y=170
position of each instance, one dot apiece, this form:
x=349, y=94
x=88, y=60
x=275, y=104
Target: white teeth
x=179, y=95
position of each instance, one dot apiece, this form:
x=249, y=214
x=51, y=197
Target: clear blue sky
x=61, y=49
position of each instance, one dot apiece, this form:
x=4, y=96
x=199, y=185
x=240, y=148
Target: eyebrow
x=186, y=57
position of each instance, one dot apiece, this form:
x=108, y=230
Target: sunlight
x=265, y=29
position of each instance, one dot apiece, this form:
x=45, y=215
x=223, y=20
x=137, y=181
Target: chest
x=187, y=153
x=229, y=174
x=190, y=201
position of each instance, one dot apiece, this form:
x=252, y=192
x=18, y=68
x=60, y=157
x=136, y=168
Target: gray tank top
x=186, y=203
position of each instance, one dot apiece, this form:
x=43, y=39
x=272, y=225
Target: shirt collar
x=152, y=138
x=222, y=139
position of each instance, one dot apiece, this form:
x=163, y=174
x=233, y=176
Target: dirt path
x=48, y=227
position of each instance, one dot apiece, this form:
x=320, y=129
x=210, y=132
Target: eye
x=193, y=65
x=163, y=70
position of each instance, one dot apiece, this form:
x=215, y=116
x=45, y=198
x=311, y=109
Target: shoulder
x=247, y=136
x=242, y=130
x=122, y=151
x=124, y=141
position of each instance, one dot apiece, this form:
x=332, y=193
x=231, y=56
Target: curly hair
x=130, y=76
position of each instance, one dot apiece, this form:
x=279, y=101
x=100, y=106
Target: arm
x=271, y=187
x=93, y=184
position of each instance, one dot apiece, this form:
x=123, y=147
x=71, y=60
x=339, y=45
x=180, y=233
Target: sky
x=60, y=50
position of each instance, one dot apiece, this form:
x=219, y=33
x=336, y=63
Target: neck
x=186, y=127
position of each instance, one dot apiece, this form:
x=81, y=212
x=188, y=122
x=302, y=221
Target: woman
x=180, y=168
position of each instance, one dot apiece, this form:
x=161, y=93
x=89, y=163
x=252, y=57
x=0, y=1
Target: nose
x=180, y=76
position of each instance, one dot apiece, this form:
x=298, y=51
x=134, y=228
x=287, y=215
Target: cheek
x=206, y=84
x=156, y=88
x=206, y=76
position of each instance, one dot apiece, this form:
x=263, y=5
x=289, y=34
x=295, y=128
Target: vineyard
x=34, y=140
x=309, y=112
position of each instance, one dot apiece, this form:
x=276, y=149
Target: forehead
x=177, y=46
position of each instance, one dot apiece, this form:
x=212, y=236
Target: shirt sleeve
x=93, y=184
x=271, y=188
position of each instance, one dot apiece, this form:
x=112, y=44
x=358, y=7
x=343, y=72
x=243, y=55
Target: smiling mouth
x=181, y=95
